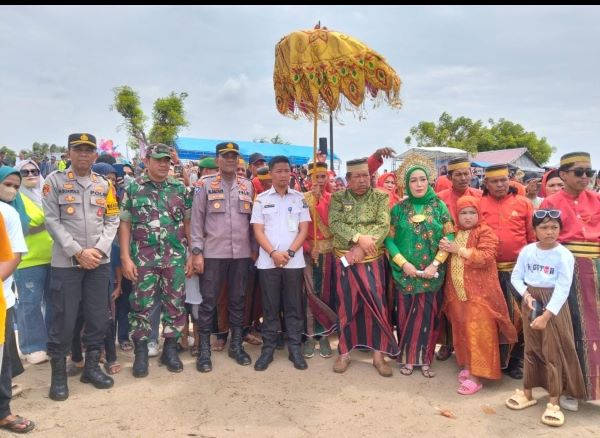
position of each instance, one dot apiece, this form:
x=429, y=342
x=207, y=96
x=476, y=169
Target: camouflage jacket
x=157, y=212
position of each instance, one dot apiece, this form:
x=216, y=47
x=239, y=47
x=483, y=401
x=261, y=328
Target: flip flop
x=112, y=367
x=12, y=426
x=518, y=401
x=463, y=375
x=427, y=371
x=468, y=387
x=553, y=416
x=406, y=371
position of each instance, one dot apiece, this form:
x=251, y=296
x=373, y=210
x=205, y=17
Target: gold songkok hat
x=359, y=165
x=574, y=157
x=458, y=163
x=317, y=168
x=496, y=170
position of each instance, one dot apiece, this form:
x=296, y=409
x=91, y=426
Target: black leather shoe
x=59, y=390
x=92, y=372
x=140, y=363
x=296, y=358
x=262, y=363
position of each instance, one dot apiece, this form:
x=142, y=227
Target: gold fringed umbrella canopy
x=315, y=68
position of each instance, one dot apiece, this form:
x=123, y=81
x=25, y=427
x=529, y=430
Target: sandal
x=112, y=367
x=406, y=371
x=13, y=425
x=252, y=339
x=444, y=353
x=553, y=416
x=463, y=375
x=73, y=369
x=219, y=345
x=427, y=371
x=126, y=346
x=468, y=387
x=519, y=401
x=195, y=350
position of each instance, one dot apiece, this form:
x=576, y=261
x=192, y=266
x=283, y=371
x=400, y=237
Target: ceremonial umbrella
x=319, y=72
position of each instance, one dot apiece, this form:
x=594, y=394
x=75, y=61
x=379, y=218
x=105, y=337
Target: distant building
x=519, y=157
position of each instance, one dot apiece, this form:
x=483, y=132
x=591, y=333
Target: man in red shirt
x=580, y=214
x=509, y=215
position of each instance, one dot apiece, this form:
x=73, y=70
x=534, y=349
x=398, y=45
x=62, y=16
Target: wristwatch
x=436, y=263
x=196, y=251
x=291, y=253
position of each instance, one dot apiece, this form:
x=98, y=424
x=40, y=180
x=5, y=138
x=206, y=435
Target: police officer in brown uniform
x=82, y=216
x=222, y=248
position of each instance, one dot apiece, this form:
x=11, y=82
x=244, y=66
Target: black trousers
x=216, y=273
x=11, y=365
x=281, y=286
x=68, y=288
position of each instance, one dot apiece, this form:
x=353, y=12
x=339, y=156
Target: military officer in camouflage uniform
x=222, y=249
x=82, y=217
x=153, y=236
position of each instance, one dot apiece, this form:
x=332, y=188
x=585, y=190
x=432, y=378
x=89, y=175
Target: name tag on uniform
x=269, y=206
x=292, y=220
x=214, y=196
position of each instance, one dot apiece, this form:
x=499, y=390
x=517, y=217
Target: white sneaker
x=152, y=348
x=36, y=357
x=569, y=403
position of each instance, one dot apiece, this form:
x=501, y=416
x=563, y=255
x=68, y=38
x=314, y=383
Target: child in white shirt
x=543, y=276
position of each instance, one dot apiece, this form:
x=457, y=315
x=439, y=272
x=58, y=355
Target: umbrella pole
x=330, y=141
x=314, y=179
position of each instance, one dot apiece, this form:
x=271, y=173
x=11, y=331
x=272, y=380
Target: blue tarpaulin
x=190, y=148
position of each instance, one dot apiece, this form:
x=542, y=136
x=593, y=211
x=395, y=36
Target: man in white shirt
x=280, y=219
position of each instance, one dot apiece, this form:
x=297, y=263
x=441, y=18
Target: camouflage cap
x=158, y=150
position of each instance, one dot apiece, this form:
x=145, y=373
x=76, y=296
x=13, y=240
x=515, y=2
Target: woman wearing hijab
x=418, y=223
x=473, y=300
x=33, y=273
x=388, y=184
x=551, y=183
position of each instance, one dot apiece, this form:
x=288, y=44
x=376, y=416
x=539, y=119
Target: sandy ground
x=235, y=401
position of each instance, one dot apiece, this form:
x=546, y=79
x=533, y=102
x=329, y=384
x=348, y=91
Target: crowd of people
x=268, y=253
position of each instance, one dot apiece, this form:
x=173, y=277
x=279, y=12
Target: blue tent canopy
x=193, y=148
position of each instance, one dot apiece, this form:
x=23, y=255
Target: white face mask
x=7, y=194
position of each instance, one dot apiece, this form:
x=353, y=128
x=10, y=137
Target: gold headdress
x=412, y=160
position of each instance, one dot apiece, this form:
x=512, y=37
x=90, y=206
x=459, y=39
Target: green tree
x=10, y=156
x=278, y=139
x=168, y=117
x=473, y=136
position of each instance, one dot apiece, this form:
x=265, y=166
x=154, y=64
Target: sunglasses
x=27, y=172
x=541, y=214
x=579, y=172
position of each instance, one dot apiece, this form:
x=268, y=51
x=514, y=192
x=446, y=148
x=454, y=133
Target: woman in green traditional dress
x=418, y=223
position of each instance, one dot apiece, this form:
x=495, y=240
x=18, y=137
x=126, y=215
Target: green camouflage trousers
x=166, y=285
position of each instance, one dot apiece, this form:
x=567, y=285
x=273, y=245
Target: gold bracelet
x=399, y=260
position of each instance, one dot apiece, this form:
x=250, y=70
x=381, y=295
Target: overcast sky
x=537, y=66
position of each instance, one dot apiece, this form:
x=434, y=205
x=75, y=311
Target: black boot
x=203, y=363
x=266, y=357
x=59, y=390
x=170, y=357
x=140, y=363
x=92, y=372
x=236, y=350
x=296, y=358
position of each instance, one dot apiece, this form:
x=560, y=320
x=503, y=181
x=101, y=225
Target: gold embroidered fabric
x=457, y=270
x=318, y=67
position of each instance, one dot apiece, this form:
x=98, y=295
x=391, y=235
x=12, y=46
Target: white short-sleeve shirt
x=281, y=216
x=14, y=230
